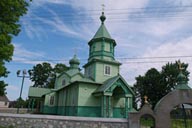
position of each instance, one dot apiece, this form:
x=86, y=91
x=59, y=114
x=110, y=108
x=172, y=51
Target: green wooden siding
x=107, y=47
x=50, y=109
x=85, y=95
x=100, y=77
x=59, y=80
x=89, y=111
x=68, y=96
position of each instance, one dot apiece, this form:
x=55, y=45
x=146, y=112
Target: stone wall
x=49, y=121
x=13, y=110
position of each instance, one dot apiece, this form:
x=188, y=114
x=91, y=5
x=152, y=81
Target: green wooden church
x=100, y=92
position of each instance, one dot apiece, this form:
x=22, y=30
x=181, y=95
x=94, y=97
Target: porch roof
x=108, y=83
x=38, y=92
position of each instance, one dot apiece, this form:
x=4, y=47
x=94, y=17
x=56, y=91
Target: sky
x=148, y=33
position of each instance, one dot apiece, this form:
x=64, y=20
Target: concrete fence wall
x=49, y=121
x=13, y=110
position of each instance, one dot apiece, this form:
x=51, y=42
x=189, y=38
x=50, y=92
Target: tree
x=19, y=103
x=59, y=68
x=44, y=75
x=40, y=74
x=156, y=84
x=170, y=72
x=10, y=13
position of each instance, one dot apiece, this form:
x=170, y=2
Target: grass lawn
x=179, y=123
x=175, y=123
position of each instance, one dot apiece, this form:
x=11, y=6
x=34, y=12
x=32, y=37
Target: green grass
x=147, y=122
x=175, y=123
x=179, y=123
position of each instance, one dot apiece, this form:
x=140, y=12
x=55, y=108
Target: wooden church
x=100, y=92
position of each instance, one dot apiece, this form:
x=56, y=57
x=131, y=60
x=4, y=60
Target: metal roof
x=38, y=92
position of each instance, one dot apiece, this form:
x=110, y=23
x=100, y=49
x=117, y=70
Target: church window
x=107, y=70
x=63, y=82
x=51, y=100
x=89, y=71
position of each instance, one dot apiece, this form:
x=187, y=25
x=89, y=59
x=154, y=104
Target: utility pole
x=23, y=75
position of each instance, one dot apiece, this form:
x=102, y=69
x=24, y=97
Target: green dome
x=181, y=78
x=182, y=81
x=74, y=60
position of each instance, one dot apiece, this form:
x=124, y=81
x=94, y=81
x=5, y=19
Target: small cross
x=180, y=66
x=103, y=7
x=145, y=97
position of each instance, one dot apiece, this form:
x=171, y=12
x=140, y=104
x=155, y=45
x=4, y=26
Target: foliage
x=40, y=74
x=19, y=103
x=44, y=75
x=2, y=87
x=156, y=84
x=179, y=123
x=10, y=13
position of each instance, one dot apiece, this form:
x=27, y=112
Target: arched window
x=147, y=121
x=63, y=82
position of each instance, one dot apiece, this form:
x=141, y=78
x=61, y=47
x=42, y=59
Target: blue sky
x=153, y=32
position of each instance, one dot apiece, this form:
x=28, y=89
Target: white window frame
x=108, y=68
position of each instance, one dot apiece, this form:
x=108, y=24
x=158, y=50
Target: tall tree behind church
x=156, y=84
x=44, y=75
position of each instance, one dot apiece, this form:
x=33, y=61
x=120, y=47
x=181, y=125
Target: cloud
x=42, y=2
x=83, y=7
x=138, y=35
x=23, y=55
x=157, y=57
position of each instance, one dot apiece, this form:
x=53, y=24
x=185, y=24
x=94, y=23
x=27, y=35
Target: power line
x=117, y=58
x=74, y=15
x=126, y=9
x=135, y=13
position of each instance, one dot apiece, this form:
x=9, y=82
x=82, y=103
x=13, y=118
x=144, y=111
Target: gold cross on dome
x=180, y=66
x=145, y=97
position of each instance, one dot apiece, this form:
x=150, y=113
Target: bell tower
x=101, y=62
x=101, y=46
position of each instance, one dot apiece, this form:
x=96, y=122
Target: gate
x=181, y=116
x=147, y=121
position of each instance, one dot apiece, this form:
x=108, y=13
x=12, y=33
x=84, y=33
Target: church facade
x=98, y=92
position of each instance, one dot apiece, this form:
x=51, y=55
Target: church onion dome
x=74, y=60
x=102, y=18
x=182, y=82
x=182, y=79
